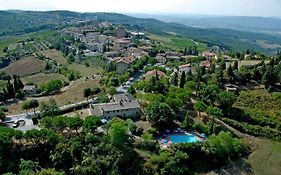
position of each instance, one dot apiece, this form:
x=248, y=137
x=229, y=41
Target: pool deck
x=169, y=142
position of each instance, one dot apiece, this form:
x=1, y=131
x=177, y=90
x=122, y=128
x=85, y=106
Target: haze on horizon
x=269, y=8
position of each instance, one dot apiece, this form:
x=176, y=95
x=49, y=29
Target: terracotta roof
x=184, y=66
x=206, y=64
x=156, y=72
x=128, y=59
x=208, y=53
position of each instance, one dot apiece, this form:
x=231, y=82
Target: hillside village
x=135, y=90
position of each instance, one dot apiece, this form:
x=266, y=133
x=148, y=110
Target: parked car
x=17, y=123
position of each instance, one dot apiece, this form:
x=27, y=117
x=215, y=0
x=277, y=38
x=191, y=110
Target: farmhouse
x=153, y=73
x=121, y=33
x=186, y=68
x=206, y=64
x=210, y=55
x=122, y=64
x=161, y=58
x=123, y=105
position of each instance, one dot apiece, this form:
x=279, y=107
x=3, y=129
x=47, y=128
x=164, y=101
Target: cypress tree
x=182, y=80
x=10, y=90
x=175, y=79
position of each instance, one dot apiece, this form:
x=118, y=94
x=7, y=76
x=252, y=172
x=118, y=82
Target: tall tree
x=213, y=112
x=235, y=66
x=175, y=79
x=183, y=79
x=33, y=104
x=10, y=90
x=2, y=115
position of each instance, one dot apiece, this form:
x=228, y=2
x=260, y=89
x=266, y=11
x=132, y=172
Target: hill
x=226, y=38
x=268, y=25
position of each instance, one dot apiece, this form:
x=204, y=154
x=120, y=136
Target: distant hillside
x=18, y=22
x=242, y=23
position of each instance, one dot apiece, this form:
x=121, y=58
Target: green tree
x=10, y=90
x=5, y=49
x=118, y=132
x=111, y=90
x=25, y=106
x=183, y=79
x=2, y=115
x=235, y=66
x=28, y=167
x=91, y=123
x=200, y=107
x=132, y=90
x=213, y=112
x=160, y=115
x=87, y=93
x=96, y=90
x=230, y=74
x=33, y=104
x=49, y=108
x=175, y=79
x=226, y=99
x=74, y=123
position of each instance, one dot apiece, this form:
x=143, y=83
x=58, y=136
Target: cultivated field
x=25, y=66
x=42, y=78
x=84, y=70
x=55, y=55
x=72, y=93
x=177, y=42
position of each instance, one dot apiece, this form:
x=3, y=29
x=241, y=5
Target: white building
x=186, y=68
x=123, y=105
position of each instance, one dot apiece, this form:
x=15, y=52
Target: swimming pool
x=183, y=138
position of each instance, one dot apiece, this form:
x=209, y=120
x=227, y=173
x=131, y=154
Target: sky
x=265, y=8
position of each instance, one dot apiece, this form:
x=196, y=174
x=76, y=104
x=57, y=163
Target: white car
x=17, y=123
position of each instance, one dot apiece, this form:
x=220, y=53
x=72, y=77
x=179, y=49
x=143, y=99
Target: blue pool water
x=183, y=138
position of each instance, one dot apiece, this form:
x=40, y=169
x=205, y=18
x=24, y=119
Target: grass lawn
x=266, y=159
x=55, y=55
x=84, y=70
x=25, y=66
x=42, y=78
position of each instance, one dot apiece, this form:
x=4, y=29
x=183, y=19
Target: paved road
x=124, y=88
x=10, y=119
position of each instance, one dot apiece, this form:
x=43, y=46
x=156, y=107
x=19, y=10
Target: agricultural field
x=259, y=100
x=54, y=55
x=25, y=66
x=84, y=70
x=72, y=93
x=177, y=42
x=42, y=78
x=6, y=41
